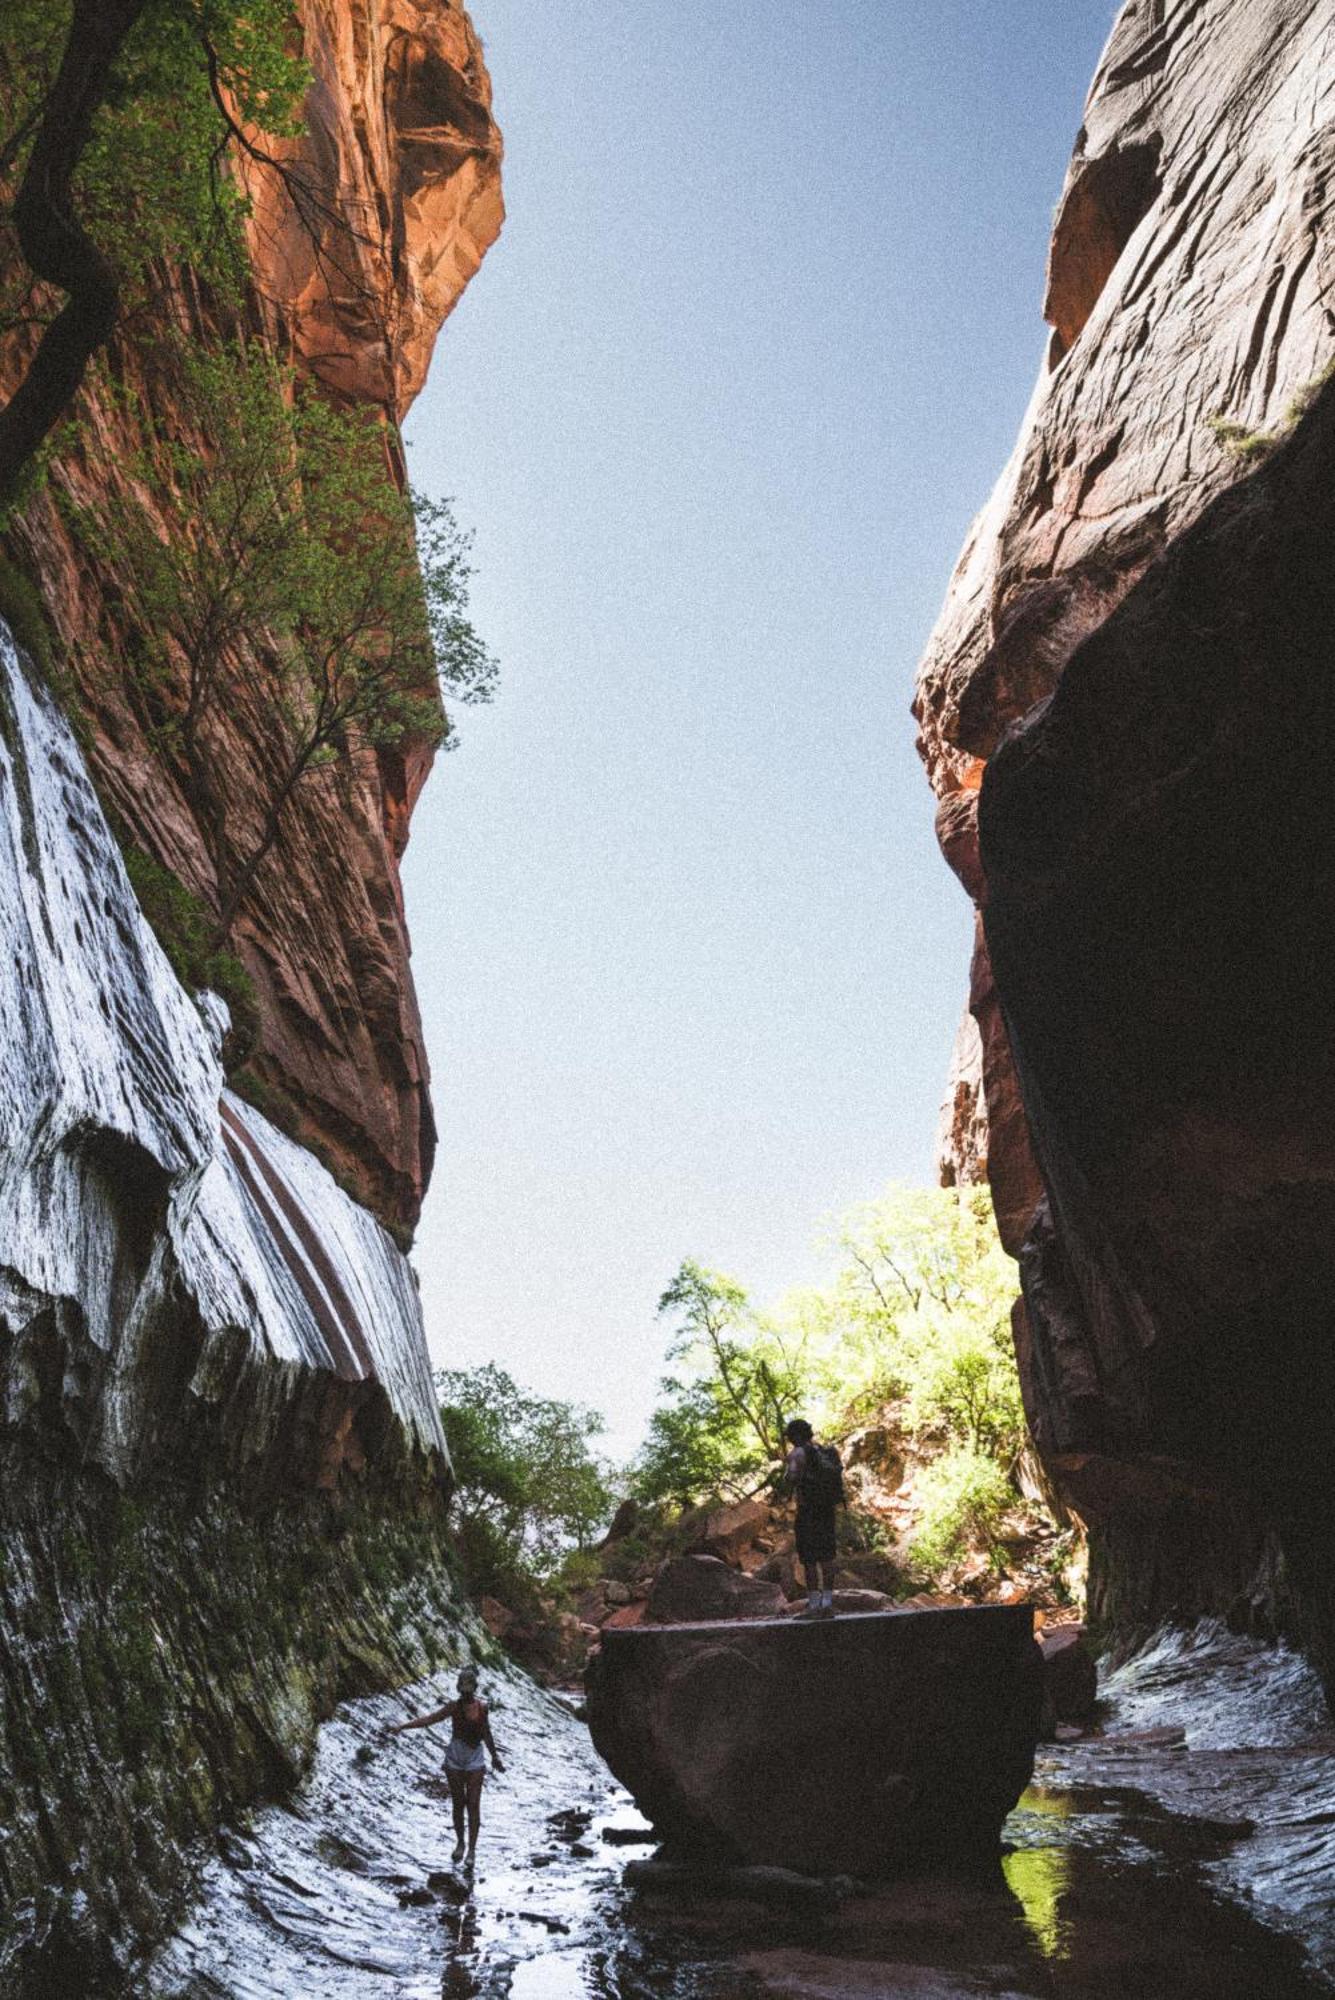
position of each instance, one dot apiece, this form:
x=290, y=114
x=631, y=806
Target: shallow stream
x=1170, y=1869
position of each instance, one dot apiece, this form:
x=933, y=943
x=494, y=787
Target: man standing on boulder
x=814, y=1473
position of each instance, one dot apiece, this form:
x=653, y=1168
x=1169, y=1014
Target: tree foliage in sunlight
x=528, y=1486
x=915, y=1314
x=719, y=1429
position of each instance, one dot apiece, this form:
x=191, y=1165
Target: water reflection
x=1038, y=1877
x=1108, y=1886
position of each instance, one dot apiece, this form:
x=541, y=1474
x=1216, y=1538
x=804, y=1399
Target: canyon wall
x=1124, y=713
x=399, y=164
x=222, y=1474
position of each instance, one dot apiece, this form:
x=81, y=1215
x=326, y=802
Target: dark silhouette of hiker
x=813, y=1472
x=465, y=1765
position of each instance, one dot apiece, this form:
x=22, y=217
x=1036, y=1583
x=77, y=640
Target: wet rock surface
x=162, y=1250
x=920, y=1725
x=1103, y=1889
x=221, y=1461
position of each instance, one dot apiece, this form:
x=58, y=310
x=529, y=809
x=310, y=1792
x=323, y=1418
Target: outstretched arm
x=422, y=1721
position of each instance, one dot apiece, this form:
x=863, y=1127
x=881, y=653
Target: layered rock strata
x=1127, y=691
x=399, y=164
x=220, y=1455
x=856, y=1745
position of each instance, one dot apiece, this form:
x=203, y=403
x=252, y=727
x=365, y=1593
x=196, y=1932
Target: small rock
x=616, y=1592
x=1166, y=1738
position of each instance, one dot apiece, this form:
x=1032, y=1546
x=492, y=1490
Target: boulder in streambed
x=857, y=1745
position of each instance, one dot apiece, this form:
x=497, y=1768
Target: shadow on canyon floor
x=1153, y=1869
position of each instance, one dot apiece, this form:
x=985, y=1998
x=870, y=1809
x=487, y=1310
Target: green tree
x=963, y=1497
x=120, y=121
x=920, y=1308
x=720, y=1429
x=528, y=1486
x=916, y=1313
x=293, y=579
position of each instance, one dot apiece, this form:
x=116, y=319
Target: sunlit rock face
x=399, y=132
x=401, y=163
x=161, y=1252
x=1131, y=675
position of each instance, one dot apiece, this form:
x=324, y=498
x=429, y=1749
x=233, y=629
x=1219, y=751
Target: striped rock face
x=200, y=1274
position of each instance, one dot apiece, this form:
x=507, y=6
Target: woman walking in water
x=465, y=1765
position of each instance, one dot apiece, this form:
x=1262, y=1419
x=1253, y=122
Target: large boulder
x=732, y=1532
x=689, y=1589
x=851, y=1745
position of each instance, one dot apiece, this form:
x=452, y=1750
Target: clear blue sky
x=719, y=405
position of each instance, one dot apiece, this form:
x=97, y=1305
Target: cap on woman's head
x=799, y=1431
x=468, y=1674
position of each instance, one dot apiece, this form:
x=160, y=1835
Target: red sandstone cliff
x=403, y=156
x=1128, y=688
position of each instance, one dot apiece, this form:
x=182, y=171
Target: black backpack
x=823, y=1476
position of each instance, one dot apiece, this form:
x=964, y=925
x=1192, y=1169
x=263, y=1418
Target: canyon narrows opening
x=941, y=1611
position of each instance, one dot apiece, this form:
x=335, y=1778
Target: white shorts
x=461, y=1756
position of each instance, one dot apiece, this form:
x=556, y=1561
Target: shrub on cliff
x=268, y=561
x=528, y=1487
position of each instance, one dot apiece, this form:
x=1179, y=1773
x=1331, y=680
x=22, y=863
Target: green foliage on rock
x=185, y=930
x=22, y=609
x=151, y=183
x=915, y=1317
x=269, y=563
x=963, y=1499
x=121, y=122
x=169, y=1662
x=528, y=1486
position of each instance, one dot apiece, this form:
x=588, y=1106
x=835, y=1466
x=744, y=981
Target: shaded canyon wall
x=1124, y=711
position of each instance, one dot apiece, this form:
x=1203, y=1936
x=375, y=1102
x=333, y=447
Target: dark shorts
x=815, y=1534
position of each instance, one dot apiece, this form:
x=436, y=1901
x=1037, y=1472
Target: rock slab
x=859, y=1745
